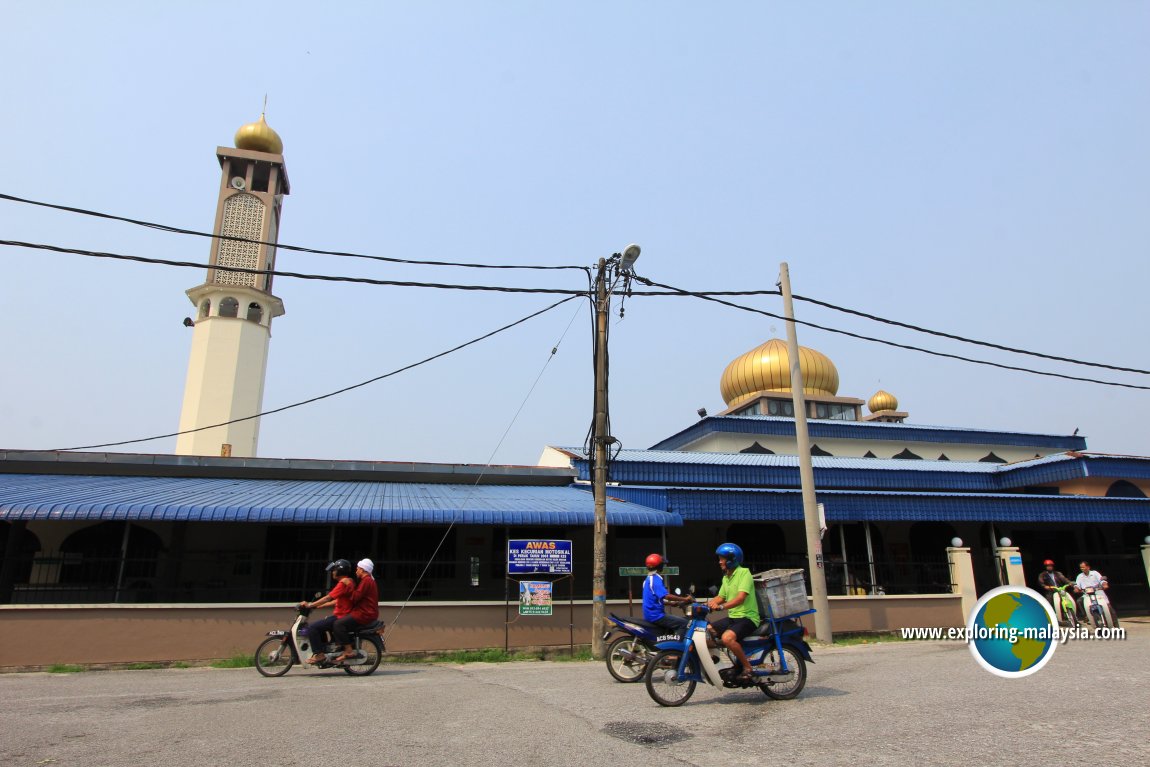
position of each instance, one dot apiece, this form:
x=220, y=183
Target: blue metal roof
x=732, y=505
x=67, y=497
x=670, y=467
x=872, y=430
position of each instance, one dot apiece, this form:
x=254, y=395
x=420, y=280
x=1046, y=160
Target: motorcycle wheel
x=1069, y=614
x=627, y=658
x=274, y=656
x=662, y=679
x=785, y=689
x=373, y=649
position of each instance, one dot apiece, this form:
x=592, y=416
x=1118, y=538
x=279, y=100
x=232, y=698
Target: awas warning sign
x=535, y=556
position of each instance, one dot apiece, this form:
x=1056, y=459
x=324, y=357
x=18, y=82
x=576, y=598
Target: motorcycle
x=284, y=648
x=628, y=652
x=1064, y=606
x=1097, y=609
x=776, y=650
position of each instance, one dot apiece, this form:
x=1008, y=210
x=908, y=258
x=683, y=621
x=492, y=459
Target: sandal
x=746, y=677
x=313, y=660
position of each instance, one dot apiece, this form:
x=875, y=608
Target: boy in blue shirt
x=655, y=596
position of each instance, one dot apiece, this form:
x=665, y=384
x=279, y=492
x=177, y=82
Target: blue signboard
x=534, y=556
x=1015, y=560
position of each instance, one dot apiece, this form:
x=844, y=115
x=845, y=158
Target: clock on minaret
x=235, y=305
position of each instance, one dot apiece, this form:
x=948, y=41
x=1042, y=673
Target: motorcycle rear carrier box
x=784, y=591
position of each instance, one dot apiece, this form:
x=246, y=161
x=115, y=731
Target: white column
x=962, y=577
x=1011, y=564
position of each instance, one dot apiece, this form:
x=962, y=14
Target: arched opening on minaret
x=255, y=312
x=205, y=308
x=229, y=307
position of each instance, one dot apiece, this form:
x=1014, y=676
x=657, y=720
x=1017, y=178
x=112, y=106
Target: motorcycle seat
x=369, y=628
x=638, y=622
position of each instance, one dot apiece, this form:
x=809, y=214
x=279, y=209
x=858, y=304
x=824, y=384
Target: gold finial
x=259, y=136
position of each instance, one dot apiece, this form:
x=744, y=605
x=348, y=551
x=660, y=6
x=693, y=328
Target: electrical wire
x=276, y=273
x=963, y=339
x=909, y=347
x=294, y=248
x=333, y=393
x=486, y=466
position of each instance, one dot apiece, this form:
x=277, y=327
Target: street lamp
x=610, y=270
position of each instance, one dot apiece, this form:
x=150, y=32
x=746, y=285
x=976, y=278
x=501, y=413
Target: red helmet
x=1048, y=563
x=654, y=562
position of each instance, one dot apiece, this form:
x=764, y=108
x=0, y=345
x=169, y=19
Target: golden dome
x=260, y=137
x=767, y=368
x=882, y=400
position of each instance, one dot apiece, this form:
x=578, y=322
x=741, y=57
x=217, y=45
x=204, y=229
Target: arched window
x=1124, y=489
x=205, y=308
x=229, y=307
x=255, y=312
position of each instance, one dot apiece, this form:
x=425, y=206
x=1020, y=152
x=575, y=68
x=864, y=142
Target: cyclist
x=737, y=597
x=1049, y=580
x=655, y=596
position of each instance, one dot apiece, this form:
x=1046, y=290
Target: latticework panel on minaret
x=243, y=217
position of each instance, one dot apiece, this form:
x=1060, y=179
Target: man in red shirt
x=341, y=596
x=364, y=609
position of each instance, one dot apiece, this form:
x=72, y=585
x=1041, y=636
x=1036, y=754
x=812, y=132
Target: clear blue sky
x=979, y=168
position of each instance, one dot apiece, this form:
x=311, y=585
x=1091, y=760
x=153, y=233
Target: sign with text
x=534, y=556
x=625, y=572
x=534, y=597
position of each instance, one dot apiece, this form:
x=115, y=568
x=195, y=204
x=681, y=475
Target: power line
x=963, y=339
x=337, y=391
x=276, y=273
x=893, y=343
x=295, y=248
x=486, y=466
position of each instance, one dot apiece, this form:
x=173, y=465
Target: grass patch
x=64, y=668
x=180, y=664
x=849, y=640
x=143, y=666
x=236, y=661
x=492, y=655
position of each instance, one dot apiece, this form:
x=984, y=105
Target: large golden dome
x=260, y=137
x=767, y=368
x=882, y=400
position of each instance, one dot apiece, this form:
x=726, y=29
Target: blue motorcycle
x=777, y=652
x=629, y=651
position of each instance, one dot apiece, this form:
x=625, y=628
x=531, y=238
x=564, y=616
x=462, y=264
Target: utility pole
x=599, y=478
x=619, y=265
x=806, y=469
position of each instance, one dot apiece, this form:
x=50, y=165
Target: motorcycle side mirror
x=713, y=591
x=318, y=594
x=678, y=592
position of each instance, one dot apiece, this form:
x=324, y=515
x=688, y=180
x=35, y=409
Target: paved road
x=891, y=704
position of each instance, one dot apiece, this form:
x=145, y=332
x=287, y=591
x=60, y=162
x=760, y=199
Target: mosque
x=216, y=523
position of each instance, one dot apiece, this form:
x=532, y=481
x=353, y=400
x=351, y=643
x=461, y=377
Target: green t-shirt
x=733, y=583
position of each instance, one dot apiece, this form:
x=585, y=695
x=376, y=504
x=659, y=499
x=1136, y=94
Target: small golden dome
x=767, y=368
x=259, y=137
x=882, y=400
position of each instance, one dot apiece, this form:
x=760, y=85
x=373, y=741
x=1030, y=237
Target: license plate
x=277, y=633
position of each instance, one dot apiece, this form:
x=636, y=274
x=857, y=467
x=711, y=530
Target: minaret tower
x=234, y=310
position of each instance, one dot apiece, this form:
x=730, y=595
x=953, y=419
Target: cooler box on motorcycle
x=783, y=591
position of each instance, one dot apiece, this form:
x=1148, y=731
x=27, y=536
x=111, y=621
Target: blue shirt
x=653, y=592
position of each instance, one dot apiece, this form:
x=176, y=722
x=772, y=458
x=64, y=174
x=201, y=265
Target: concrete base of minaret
x=226, y=370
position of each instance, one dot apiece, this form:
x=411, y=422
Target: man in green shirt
x=737, y=597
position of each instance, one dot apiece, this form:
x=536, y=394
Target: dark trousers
x=672, y=623
x=318, y=633
x=343, y=628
